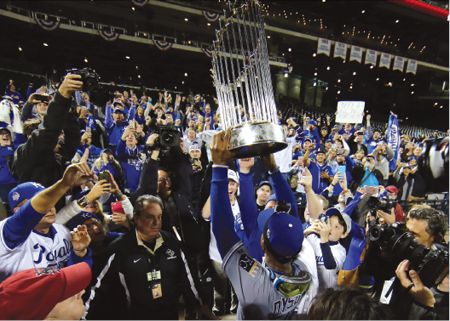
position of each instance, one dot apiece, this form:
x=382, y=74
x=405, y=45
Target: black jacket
x=36, y=159
x=124, y=287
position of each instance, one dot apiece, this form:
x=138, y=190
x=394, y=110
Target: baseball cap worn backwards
x=28, y=296
x=24, y=191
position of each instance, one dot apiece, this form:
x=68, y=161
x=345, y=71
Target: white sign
x=356, y=54
x=350, y=112
x=385, y=60
x=399, y=63
x=411, y=66
x=340, y=50
x=371, y=57
x=324, y=46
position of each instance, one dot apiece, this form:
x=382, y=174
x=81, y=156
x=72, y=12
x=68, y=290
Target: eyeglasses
x=291, y=286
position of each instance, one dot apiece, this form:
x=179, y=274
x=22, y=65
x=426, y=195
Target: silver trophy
x=241, y=75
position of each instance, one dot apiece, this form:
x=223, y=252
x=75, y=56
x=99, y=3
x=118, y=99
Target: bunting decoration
x=385, y=60
x=46, y=22
x=210, y=16
x=399, y=63
x=139, y=3
x=161, y=42
x=340, y=50
x=356, y=54
x=109, y=33
x=206, y=49
x=324, y=46
x=371, y=57
x=411, y=66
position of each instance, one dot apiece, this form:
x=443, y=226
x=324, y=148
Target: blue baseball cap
x=312, y=122
x=24, y=191
x=80, y=218
x=283, y=236
x=119, y=110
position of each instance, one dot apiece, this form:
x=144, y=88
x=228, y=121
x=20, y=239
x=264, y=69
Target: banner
x=161, y=42
x=46, y=22
x=139, y=3
x=323, y=46
x=108, y=33
x=411, y=66
x=393, y=140
x=210, y=16
x=399, y=63
x=340, y=50
x=385, y=60
x=371, y=57
x=350, y=112
x=356, y=54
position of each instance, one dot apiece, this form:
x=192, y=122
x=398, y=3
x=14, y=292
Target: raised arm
x=221, y=213
x=249, y=211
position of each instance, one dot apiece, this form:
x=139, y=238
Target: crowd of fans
x=138, y=210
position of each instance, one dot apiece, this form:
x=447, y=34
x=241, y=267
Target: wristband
x=82, y=202
x=409, y=287
x=119, y=195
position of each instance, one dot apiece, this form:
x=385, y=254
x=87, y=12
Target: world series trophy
x=241, y=76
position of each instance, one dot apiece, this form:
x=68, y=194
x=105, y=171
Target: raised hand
x=269, y=162
x=76, y=175
x=80, y=240
x=246, y=164
x=221, y=154
x=98, y=190
x=70, y=84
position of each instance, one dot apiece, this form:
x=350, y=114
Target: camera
x=169, y=137
x=384, y=204
x=89, y=77
x=323, y=218
x=395, y=244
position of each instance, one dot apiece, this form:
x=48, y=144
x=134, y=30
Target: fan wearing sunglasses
x=274, y=288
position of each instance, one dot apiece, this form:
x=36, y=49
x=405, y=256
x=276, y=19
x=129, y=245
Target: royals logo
x=170, y=254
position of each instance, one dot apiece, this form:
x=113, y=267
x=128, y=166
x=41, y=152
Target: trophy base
x=257, y=139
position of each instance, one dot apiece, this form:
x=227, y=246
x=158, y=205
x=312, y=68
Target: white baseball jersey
x=37, y=251
x=213, y=250
x=258, y=298
x=327, y=278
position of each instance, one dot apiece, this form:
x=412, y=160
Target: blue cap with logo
x=82, y=217
x=24, y=191
x=284, y=235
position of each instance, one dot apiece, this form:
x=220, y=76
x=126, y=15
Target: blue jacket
x=131, y=163
x=6, y=177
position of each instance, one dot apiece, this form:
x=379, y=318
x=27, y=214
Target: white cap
x=233, y=176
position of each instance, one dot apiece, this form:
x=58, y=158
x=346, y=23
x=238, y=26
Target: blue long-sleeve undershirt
x=328, y=258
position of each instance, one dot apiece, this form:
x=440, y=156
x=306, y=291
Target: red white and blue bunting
x=161, y=42
x=139, y=3
x=108, y=33
x=210, y=16
x=206, y=49
x=46, y=22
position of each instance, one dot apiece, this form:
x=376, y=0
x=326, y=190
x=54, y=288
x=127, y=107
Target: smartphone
x=341, y=172
x=105, y=175
x=116, y=207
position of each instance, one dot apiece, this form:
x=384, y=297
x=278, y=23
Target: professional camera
x=383, y=204
x=169, y=137
x=395, y=244
x=89, y=77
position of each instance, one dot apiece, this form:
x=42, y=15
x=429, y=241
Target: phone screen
x=341, y=171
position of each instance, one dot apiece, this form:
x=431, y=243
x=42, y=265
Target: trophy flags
x=393, y=139
x=241, y=76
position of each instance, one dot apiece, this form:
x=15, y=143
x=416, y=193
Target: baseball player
x=275, y=288
x=30, y=239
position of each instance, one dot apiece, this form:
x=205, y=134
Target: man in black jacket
x=146, y=272
x=43, y=157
